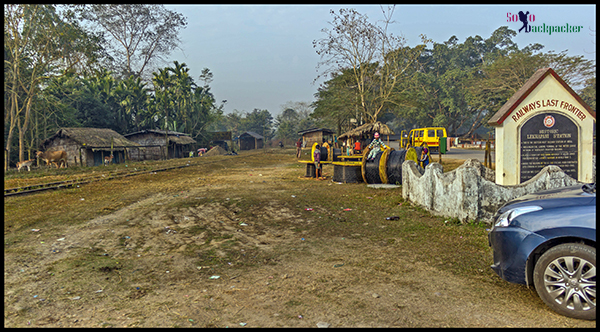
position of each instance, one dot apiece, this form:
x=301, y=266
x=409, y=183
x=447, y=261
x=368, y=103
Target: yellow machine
x=429, y=135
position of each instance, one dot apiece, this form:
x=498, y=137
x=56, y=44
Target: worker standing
x=298, y=147
x=317, y=159
x=357, y=147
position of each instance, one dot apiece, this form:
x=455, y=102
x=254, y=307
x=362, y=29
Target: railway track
x=31, y=189
x=36, y=188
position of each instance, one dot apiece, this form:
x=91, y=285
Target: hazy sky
x=262, y=56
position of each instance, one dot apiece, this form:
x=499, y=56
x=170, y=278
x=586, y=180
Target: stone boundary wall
x=469, y=192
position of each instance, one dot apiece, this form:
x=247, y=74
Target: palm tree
x=182, y=86
x=133, y=100
x=162, y=84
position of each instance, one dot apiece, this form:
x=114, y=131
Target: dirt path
x=216, y=255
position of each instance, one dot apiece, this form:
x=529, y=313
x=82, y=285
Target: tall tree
x=588, y=93
x=140, y=34
x=260, y=122
x=499, y=79
x=378, y=60
x=98, y=107
x=131, y=96
x=38, y=44
x=182, y=87
x=337, y=102
x=162, y=101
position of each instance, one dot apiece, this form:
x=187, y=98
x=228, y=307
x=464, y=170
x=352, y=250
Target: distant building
x=250, y=140
x=154, y=142
x=318, y=135
x=89, y=146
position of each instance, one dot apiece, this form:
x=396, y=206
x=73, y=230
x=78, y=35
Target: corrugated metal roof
x=325, y=130
x=253, y=134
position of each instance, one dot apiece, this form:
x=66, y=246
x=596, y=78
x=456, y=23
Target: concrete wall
x=469, y=192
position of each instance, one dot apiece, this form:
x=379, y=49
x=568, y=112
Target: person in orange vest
x=357, y=147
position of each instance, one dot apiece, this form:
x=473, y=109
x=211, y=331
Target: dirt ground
x=249, y=242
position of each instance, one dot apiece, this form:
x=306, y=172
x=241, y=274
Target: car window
x=431, y=132
x=440, y=133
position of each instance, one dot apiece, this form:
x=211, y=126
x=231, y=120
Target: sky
x=262, y=56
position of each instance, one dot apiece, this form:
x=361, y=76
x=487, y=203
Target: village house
x=153, y=144
x=89, y=146
x=318, y=135
x=250, y=140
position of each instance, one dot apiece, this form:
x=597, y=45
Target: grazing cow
x=25, y=163
x=108, y=160
x=53, y=157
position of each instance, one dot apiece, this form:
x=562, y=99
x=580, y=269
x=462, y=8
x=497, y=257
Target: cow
x=108, y=159
x=25, y=163
x=53, y=157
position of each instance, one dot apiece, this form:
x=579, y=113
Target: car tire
x=565, y=279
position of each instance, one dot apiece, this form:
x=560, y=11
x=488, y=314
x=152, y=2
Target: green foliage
x=588, y=94
x=260, y=122
x=297, y=116
x=39, y=43
x=373, y=61
x=452, y=84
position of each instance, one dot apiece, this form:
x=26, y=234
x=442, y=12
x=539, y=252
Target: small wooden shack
x=250, y=140
x=153, y=142
x=89, y=146
x=318, y=135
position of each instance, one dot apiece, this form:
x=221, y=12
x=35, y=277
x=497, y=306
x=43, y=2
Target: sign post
x=544, y=123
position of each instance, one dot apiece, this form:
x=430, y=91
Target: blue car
x=548, y=240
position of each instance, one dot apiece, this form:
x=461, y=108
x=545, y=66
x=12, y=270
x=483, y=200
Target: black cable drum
x=372, y=170
x=323, y=153
x=347, y=173
x=418, y=150
x=336, y=154
x=394, y=166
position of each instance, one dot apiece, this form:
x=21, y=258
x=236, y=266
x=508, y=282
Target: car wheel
x=565, y=279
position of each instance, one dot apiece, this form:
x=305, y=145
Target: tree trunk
x=23, y=129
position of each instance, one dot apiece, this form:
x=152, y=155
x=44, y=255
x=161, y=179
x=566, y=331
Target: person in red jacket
x=357, y=147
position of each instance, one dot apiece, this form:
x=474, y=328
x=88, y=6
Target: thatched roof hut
x=180, y=144
x=93, y=138
x=367, y=129
x=89, y=146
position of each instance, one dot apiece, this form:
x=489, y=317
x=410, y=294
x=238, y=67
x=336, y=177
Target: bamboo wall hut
x=250, y=140
x=153, y=144
x=89, y=146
